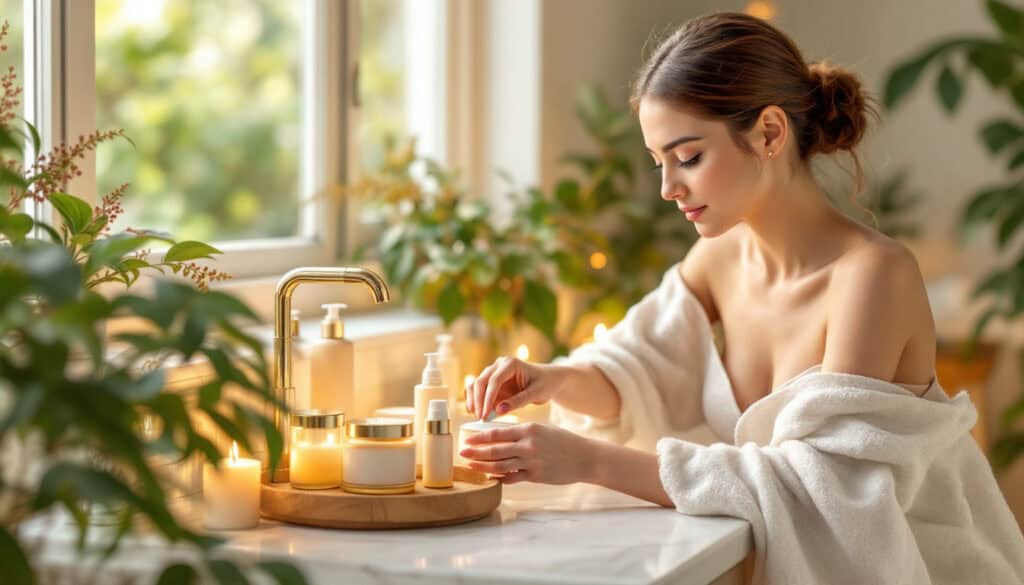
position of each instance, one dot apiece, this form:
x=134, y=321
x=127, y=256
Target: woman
x=835, y=440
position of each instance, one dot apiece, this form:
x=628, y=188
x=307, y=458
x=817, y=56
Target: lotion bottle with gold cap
x=331, y=360
x=438, y=463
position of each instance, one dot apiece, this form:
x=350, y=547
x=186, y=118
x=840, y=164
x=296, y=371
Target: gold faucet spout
x=283, y=388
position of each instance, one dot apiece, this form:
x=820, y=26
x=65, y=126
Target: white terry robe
x=843, y=478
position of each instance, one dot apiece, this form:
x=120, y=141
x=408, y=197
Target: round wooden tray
x=473, y=496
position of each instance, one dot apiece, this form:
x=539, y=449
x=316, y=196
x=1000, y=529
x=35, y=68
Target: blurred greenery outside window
x=216, y=99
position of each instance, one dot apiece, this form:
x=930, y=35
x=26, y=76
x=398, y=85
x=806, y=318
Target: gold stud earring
x=770, y=154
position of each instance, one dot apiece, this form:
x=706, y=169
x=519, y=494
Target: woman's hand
x=510, y=383
x=532, y=452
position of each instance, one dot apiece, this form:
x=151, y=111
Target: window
x=242, y=114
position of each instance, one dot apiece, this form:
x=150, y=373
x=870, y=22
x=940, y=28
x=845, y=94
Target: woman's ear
x=771, y=131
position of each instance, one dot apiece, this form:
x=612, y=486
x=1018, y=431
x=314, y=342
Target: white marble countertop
x=540, y=534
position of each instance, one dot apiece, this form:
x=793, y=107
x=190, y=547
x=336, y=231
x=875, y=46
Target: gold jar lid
x=378, y=428
x=317, y=419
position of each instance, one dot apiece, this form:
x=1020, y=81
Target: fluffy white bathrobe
x=844, y=479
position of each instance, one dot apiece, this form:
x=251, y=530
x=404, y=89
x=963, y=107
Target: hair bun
x=838, y=110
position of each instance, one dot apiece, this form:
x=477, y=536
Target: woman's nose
x=670, y=191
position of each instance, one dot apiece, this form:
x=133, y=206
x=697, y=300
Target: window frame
x=60, y=99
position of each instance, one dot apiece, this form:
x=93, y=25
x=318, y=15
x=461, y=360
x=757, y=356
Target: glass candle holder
x=380, y=456
x=316, y=445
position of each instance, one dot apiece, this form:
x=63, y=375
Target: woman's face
x=712, y=181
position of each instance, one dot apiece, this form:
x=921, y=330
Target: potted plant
x=74, y=432
x=996, y=59
x=447, y=252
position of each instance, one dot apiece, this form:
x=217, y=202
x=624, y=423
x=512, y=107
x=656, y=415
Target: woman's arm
x=549, y=454
x=626, y=470
x=584, y=389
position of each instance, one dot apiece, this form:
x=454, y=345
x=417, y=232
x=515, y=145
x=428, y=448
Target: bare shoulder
x=703, y=264
x=879, y=321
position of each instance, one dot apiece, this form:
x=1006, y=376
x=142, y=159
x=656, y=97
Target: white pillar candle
x=231, y=494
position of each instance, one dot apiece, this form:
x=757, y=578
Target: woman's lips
x=692, y=213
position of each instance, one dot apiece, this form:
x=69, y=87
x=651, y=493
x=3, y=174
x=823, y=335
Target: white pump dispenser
x=451, y=368
x=431, y=387
x=332, y=362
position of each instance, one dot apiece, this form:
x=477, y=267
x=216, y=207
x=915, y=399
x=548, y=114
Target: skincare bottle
x=438, y=464
x=451, y=369
x=331, y=361
x=431, y=387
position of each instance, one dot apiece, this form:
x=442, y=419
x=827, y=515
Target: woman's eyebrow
x=676, y=142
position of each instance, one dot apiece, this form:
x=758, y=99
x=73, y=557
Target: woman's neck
x=796, y=230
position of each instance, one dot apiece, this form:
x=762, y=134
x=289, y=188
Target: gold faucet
x=283, y=388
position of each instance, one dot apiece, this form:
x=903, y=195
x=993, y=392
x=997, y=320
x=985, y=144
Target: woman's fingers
x=516, y=476
x=491, y=452
x=505, y=466
x=474, y=398
x=509, y=434
x=505, y=372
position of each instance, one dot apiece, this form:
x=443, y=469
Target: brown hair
x=728, y=66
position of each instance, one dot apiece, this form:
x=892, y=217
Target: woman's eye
x=691, y=162
x=684, y=163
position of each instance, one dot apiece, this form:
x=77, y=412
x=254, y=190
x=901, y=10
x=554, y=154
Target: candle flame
x=599, y=331
x=523, y=352
x=234, y=452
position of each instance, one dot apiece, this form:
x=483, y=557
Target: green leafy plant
x=618, y=233
x=998, y=60
x=445, y=252
x=82, y=417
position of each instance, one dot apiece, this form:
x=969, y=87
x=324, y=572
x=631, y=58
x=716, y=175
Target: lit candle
x=231, y=494
x=523, y=352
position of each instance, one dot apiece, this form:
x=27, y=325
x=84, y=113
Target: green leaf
x=1017, y=92
x=189, y=250
x=1008, y=419
x=540, y=308
x=984, y=206
x=568, y=194
x=1000, y=134
x=76, y=213
x=1006, y=450
x=28, y=397
x=15, y=226
x=450, y=303
x=1009, y=19
x=283, y=573
x=13, y=561
x=227, y=572
x=994, y=61
x=1010, y=224
x=949, y=88
x=1016, y=161
x=497, y=307
x=903, y=78
x=109, y=251
x=141, y=389
x=178, y=574
x=13, y=178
